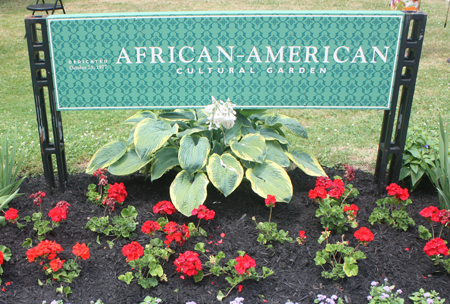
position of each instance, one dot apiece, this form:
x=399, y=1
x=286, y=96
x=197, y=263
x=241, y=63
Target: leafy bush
x=420, y=149
x=440, y=175
x=210, y=145
x=9, y=187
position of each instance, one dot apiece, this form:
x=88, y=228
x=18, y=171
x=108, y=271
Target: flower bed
x=394, y=254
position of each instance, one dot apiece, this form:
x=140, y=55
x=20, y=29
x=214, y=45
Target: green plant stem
x=440, y=232
x=270, y=216
x=198, y=224
x=346, y=196
x=432, y=228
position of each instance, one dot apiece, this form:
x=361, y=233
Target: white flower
x=220, y=113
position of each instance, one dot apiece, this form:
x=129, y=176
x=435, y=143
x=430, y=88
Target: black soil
x=394, y=254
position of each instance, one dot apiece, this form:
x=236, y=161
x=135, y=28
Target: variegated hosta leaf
x=188, y=191
x=152, y=134
x=128, y=164
x=251, y=147
x=192, y=130
x=193, y=153
x=271, y=134
x=225, y=172
x=139, y=116
x=164, y=160
x=276, y=154
x=107, y=155
x=178, y=114
x=306, y=162
x=235, y=131
x=270, y=178
x=290, y=123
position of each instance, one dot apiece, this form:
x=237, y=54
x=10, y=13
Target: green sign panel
x=282, y=59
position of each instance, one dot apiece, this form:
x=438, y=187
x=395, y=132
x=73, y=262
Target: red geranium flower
x=244, y=264
x=57, y=214
x=44, y=249
x=337, y=189
x=11, y=215
x=176, y=233
x=352, y=208
x=444, y=216
x=37, y=198
x=188, y=263
x=63, y=205
x=436, y=246
x=117, y=192
x=56, y=264
x=81, y=250
x=431, y=213
x=318, y=192
x=364, y=235
x=398, y=192
x=203, y=213
x=133, y=251
x=164, y=207
x=324, y=182
x=1, y=257
x=149, y=227
x=270, y=200
x=349, y=173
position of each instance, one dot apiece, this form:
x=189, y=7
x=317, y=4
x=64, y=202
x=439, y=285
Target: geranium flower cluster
x=188, y=263
x=11, y=215
x=116, y=193
x=351, y=210
x=398, y=192
x=244, y=264
x=202, y=212
x=59, y=212
x=270, y=201
x=176, y=233
x=133, y=251
x=301, y=237
x=436, y=246
x=433, y=214
x=326, y=187
x=49, y=249
x=37, y=198
x=100, y=173
x=164, y=207
x=350, y=173
x=150, y=227
x=364, y=235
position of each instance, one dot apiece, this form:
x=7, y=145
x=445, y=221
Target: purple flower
x=385, y=295
x=374, y=283
x=334, y=297
x=321, y=297
x=369, y=298
x=387, y=288
x=430, y=301
x=426, y=295
x=399, y=291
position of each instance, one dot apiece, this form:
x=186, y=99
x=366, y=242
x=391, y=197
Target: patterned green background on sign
x=257, y=59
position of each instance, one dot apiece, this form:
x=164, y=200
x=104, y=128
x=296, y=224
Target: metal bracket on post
x=41, y=75
x=391, y=146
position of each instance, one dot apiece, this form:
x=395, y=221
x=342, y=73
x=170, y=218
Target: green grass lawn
x=335, y=136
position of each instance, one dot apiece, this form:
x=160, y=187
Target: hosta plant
x=216, y=144
x=392, y=209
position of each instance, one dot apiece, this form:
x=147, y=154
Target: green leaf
x=188, y=191
x=178, y=114
x=107, y=155
x=193, y=130
x=251, y=147
x=271, y=134
x=193, y=153
x=126, y=277
x=152, y=134
x=67, y=290
x=110, y=244
x=350, y=268
x=164, y=160
x=290, y=123
x=276, y=154
x=28, y=243
x=270, y=178
x=225, y=172
x=6, y=252
x=139, y=116
x=146, y=283
x=199, y=276
x=220, y=296
x=306, y=162
x=128, y=164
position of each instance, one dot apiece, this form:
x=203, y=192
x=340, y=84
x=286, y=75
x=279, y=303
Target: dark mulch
x=295, y=277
